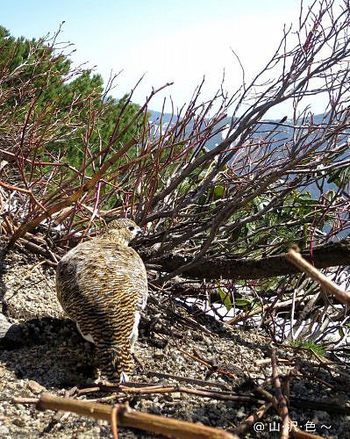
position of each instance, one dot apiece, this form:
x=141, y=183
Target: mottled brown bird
x=102, y=286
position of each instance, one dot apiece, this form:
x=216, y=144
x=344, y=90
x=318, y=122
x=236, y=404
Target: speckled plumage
x=102, y=286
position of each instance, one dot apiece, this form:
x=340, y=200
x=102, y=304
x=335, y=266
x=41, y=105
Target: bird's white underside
x=135, y=330
x=133, y=335
x=87, y=337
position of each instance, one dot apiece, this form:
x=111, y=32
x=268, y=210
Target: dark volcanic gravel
x=43, y=352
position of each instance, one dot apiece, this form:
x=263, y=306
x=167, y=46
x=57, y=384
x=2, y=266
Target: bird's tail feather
x=116, y=362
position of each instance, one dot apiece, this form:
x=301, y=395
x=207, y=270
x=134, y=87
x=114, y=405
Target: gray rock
x=11, y=336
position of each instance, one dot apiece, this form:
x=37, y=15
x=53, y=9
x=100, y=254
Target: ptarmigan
x=102, y=286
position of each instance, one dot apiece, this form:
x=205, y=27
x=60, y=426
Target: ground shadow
x=49, y=351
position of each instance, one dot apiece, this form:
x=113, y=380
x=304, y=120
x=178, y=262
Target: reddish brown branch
x=297, y=433
x=282, y=403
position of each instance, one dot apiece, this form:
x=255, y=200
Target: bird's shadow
x=49, y=351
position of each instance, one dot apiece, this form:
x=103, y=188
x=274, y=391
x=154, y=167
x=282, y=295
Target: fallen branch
x=132, y=418
x=328, y=255
x=329, y=286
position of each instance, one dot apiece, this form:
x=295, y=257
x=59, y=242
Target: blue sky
x=175, y=40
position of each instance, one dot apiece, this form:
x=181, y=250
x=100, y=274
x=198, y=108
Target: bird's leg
x=124, y=362
x=116, y=362
x=105, y=359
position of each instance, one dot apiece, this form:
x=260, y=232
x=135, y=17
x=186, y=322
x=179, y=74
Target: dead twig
x=161, y=389
x=297, y=433
x=196, y=381
x=282, y=403
x=114, y=421
x=296, y=259
x=226, y=396
x=250, y=420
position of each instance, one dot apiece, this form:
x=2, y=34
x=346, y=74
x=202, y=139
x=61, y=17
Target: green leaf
x=243, y=303
x=219, y=192
x=226, y=298
x=309, y=345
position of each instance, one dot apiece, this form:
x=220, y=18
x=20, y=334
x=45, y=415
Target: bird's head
x=123, y=229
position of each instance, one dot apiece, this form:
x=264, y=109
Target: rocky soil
x=43, y=352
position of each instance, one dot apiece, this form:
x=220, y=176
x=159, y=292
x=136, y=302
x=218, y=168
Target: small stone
x=241, y=413
x=19, y=422
x=35, y=387
x=158, y=355
x=4, y=431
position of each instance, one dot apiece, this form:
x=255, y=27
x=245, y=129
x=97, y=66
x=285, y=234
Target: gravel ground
x=43, y=352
